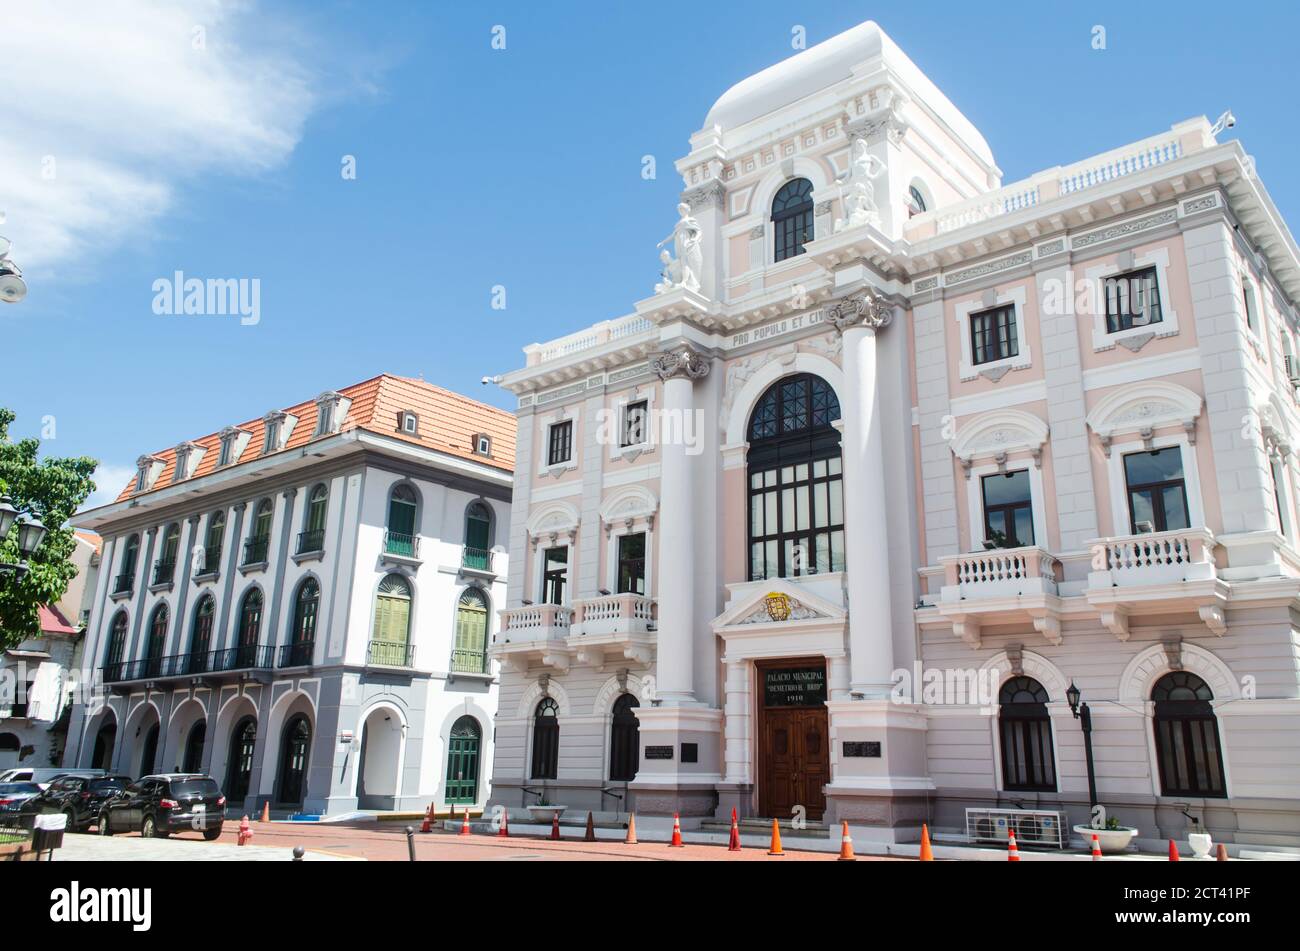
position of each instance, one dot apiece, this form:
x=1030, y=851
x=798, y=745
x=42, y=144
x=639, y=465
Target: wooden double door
x=793, y=739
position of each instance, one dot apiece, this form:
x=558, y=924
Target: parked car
x=80, y=798
x=13, y=796
x=44, y=775
x=163, y=804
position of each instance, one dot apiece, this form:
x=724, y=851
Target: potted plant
x=1111, y=838
x=545, y=812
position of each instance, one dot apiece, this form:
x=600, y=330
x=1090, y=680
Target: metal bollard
x=410, y=841
x=298, y=852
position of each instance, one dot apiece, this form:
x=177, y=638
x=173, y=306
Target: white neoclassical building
x=893, y=455
x=301, y=605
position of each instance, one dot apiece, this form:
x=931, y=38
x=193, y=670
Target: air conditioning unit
x=1032, y=826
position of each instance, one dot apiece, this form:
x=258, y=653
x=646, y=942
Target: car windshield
x=195, y=787
x=11, y=788
x=106, y=785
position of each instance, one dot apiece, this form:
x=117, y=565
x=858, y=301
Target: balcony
x=477, y=561
x=534, y=632
x=621, y=624
x=164, y=571
x=401, y=548
x=1160, y=573
x=1003, y=586
x=184, y=666
x=297, y=654
x=312, y=542
x=390, y=654
x=124, y=583
x=209, y=566
x=256, y=550
x=469, y=662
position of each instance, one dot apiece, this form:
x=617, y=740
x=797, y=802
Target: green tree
x=52, y=490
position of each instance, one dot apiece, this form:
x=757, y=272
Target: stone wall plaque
x=862, y=748
x=658, y=752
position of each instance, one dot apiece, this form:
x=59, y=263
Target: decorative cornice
x=871, y=310
x=681, y=362
x=711, y=194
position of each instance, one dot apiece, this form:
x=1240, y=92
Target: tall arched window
x=157, y=641
x=402, y=507
x=193, y=759
x=258, y=546
x=462, y=760
x=546, y=739
x=390, y=639
x=1028, y=764
x=125, y=580
x=213, y=542
x=201, y=636
x=624, y=740
x=313, y=536
x=165, y=569
x=470, y=652
x=239, y=768
x=796, y=497
x=303, y=633
x=116, y=647
x=250, y=629
x=478, y=537
x=792, y=218
x=1187, y=737
x=295, y=748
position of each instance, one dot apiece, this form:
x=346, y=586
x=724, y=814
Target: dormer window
x=147, y=470
x=327, y=411
x=408, y=423
x=483, y=444
x=272, y=432
x=229, y=445
x=187, y=456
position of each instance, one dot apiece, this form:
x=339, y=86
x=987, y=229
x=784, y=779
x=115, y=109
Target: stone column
x=859, y=318
x=679, y=369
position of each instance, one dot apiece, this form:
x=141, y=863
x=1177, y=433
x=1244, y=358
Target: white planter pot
x=1110, y=840
x=546, y=814
x=1200, y=843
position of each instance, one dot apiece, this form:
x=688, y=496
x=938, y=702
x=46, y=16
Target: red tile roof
x=90, y=538
x=53, y=622
x=447, y=422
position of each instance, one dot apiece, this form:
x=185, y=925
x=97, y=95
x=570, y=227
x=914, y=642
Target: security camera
x=1225, y=121
x=491, y=379
x=12, y=286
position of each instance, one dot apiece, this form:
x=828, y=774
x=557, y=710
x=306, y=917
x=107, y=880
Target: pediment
x=779, y=602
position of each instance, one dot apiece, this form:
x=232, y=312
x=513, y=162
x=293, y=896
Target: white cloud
x=110, y=480
x=124, y=101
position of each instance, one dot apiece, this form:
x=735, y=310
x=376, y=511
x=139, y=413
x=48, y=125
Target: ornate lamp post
x=31, y=532
x=1084, y=716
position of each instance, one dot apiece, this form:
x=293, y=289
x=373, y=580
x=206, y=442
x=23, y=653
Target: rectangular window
x=272, y=440
x=1008, y=509
x=1248, y=296
x=796, y=520
x=1132, y=300
x=1157, y=492
x=555, y=574
x=634, y=423
x=993, y=335
x=561, y=443
x=223, y=458
x=1276, y=468
x=631, y=564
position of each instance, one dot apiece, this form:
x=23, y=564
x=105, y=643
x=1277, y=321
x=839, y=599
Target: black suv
x=166, y=803
x=80, y=798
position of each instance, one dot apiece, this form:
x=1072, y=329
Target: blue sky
x=475, y=167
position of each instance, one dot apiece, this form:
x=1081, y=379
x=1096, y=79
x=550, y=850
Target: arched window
x=392, y=632
x=193, y=760
x=149, y=751
x=470, y=652
x=213, y=542
x=258, y=546
x=250, y=629
x=157, y=641
x=313, y=536
x=796, y=497
x=1028, y=764
x=295, y=747
x=302, y=636
x=624, y=740
x=402, y=507
x=105, y=740
x=792, y=218
x=462, y=760
x=239, y=768
x=478, y=537
x=546, y=739
x=1187, y=737
x=165, y=569
x=201, y=636
x=125, y=580
x=116, y=647
x=915, y=202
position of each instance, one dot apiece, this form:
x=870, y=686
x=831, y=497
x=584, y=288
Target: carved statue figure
x=859, y=200
x=685, y=270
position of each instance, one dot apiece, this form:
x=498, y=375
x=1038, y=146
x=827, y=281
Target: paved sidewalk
x=132, y=848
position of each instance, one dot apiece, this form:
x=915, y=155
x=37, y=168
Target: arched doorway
x=239, y=764
x=295, y=748
x=380, y=760
x=1025, y=731
x=1188, y=750
x=149, y=750
x=462, y=761
x=624, y=740
x=194, y=741
x=105, y=739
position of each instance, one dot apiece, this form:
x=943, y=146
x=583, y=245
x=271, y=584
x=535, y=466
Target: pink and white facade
x=908, y=422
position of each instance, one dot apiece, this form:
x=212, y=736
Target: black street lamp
x=1084, y=716
x=31, y=532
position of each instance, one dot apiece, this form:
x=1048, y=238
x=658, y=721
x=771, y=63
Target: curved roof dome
x=826, y=64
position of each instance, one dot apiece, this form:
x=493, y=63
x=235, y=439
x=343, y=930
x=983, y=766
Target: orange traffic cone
x=926, y=855
x=630, y=838
x=464, y=822
x=1096, y=848
x=591, y=829
x=846, y=844
x=1173, y=851
x=775, y=848
x=427, y=824
x=555, y=827
x=676, y=843
x=245, y=833
x=1013, y=853
x=504, y=831
x=733, y=844
x=266, y=812
x=1221, y=853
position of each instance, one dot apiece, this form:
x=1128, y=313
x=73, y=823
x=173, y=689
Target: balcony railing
x=164, y=571
x=536, y=622
x=313, y=541
x=210, y=564
x=469, y=662
x=122, y=583
x=255, y=550
x=390, y=654
x=625, y=613
x=297, y=654
x=1002, y=572
x=1156, y=558
x=477, y=559
x=402, y=544
x=244, y=657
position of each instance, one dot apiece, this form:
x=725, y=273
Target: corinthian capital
x=682, y=361
x=870, y=309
